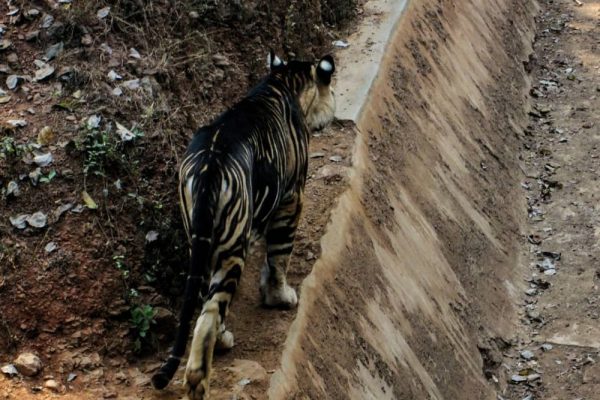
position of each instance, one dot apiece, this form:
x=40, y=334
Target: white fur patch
x=325, y=65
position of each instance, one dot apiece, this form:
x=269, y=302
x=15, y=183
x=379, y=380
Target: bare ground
x=561, y=165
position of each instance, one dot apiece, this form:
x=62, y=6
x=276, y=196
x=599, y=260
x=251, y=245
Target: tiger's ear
x=273, y=62
x=325, y=69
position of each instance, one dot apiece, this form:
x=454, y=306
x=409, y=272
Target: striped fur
x=245, y=173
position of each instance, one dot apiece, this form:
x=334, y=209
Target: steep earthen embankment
x=412, y=297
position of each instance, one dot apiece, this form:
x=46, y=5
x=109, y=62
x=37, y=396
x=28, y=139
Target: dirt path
x=558, y=351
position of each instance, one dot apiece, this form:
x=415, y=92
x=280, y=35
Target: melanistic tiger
x=245, y=174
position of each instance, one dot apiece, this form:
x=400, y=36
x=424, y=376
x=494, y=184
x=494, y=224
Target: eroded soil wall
x=412, y=297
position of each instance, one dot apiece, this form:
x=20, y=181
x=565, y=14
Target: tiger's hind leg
x=210, y=329
x=274, y=288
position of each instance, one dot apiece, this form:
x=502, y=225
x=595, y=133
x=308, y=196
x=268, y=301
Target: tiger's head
x=311, y=84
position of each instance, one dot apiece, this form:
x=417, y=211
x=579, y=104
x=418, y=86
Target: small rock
x=132, y=84
x=32, y=13
x=533, y=315
x=533, y=377
x=103, y=12
x=113, y=76
x=60, y=210
x=220, y=61
x=87, y=40
x=106, y=48
x=336, y=158
x=53, y=51
x=50, y=247
x=12, y=58
x=43, y=160
x=547, y=347
x=527, y=355
x=12, y=81
x=151, y=236
x=17, y=123
x=71, y=377
x=332, y=173
x=78, y=209
x=20, y=221
x=340, y=44
x=5, y=44
x=531, y=292
x=44, y=72
x=317, y=154
x=125, y=134
x=47, y=21
x=28, y=364
x=32, y=35
x=37, y=219
x=133, y=53
x=93, y=122
x=53, y=385
x=117, y=91
x=12, y=189
x=518, y=378
x=9, y=370
x=35, y=175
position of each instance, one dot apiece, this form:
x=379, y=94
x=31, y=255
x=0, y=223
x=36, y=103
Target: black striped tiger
x=245, y=174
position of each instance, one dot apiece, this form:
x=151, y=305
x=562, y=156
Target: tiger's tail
x=199, y=271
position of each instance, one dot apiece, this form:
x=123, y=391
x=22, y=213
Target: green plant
x=120, y=265
x=10, y=149
x=49, y=177
x=142, y=317
x=100, y=150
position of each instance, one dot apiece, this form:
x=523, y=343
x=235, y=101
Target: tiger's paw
x=224, y=340
x=196, y=384
x=282, y=297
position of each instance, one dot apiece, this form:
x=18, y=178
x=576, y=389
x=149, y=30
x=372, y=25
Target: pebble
x=17, y=123
x=9, y=370
x=44, y=72
x=53, y=385
x=43, y=160
x=28, y=364
x=20, y=221
x=12, y=189
x=47, y=21
x=335, y=158
x=113, y=76
x=517, y=378
x=547, y=347
x=12, y=81
x=37, y=219
x=527, y=355
x=531, y=292
x=50, y=247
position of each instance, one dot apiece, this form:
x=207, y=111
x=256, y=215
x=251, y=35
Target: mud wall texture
x=412, y=297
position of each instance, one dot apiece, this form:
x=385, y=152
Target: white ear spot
x=325, y=65
x=277, y=62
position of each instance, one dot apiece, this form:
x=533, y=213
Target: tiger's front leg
x=274, y=288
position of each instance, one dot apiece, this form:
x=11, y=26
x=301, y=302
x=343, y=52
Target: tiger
x=243, y=176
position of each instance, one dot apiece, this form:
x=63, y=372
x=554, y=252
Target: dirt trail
x=560, y=159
